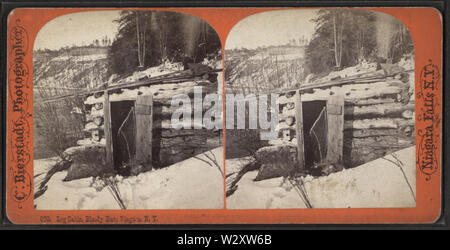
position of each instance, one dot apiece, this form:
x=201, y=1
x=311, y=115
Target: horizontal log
x=98, y=106
x=378, y=109
x=169, y=133
x=378, y=123
x=381, y=141
x=285, y=112
x=167, y=111
x=282, y=125
x=89, y=142
x=98, y=120
x=168, y=101
x=352, y=92
x=182, y=142
x=173, y=77
x=92, y=126
x=370, y=101
x=96, y=112
x=89, y=117
x=213, y=142
x=361, y=133
x=161, y=92
x=167, y=124
x=281, y=141
x=409, y=114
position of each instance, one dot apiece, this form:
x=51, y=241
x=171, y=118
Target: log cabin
x=349, y=121
x=132, y=121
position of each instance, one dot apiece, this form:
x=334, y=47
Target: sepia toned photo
x=114, y=95
x=338, y=88
x=226, y=116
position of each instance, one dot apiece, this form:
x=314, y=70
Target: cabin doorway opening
x=315, y=131
x=123, y=128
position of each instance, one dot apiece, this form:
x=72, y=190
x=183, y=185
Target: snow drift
x=378, y=183
x=189, y=184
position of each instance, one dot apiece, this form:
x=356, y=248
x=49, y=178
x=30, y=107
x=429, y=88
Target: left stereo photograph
x=127, y=112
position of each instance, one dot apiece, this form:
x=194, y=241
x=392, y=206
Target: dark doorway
x=315, y=131
x=123, y=133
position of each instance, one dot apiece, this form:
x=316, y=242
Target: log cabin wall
x=378, y=114
x=168, y=145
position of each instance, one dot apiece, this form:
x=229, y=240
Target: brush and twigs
x=211, y=160
x=121, y=130
x=397, y=162
x=299, y=185
x=113, y=188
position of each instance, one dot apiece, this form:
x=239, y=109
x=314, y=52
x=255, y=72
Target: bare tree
x=338, y=27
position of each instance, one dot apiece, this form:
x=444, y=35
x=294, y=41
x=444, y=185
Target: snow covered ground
x=378, y=183
x=41, y=167
x=190, y=184
x=84, y=58
x=194, y=184
x=279, y=57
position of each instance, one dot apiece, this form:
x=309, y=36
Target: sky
x=77, y=29
x=271, y=28
x=262, y=29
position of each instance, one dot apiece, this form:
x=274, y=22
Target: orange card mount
x=91, y=107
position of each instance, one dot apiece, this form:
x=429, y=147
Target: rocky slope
x=57, y=73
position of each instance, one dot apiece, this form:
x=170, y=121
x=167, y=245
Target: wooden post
x=144, y=127
x=299, y=131
x=335, y=141
x=108, y=131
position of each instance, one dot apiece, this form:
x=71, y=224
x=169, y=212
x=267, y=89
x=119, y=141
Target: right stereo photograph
x=320, y=111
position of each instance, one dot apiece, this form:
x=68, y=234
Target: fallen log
x=240, y=167
x=61, y=165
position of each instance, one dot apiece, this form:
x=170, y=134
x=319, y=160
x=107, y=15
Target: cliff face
x=265, y=69
x=59, y=73
x=63, y=71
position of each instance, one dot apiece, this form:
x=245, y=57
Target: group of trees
x=148, y=38
x=298, y=42
x=345, y=37
x=105, y=41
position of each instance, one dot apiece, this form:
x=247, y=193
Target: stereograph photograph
x=107, y=88
x=224, y=115
x=343, y=115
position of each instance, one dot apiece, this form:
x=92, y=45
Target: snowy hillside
x=66, y=70
x=59, y=73
x=264, y=69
